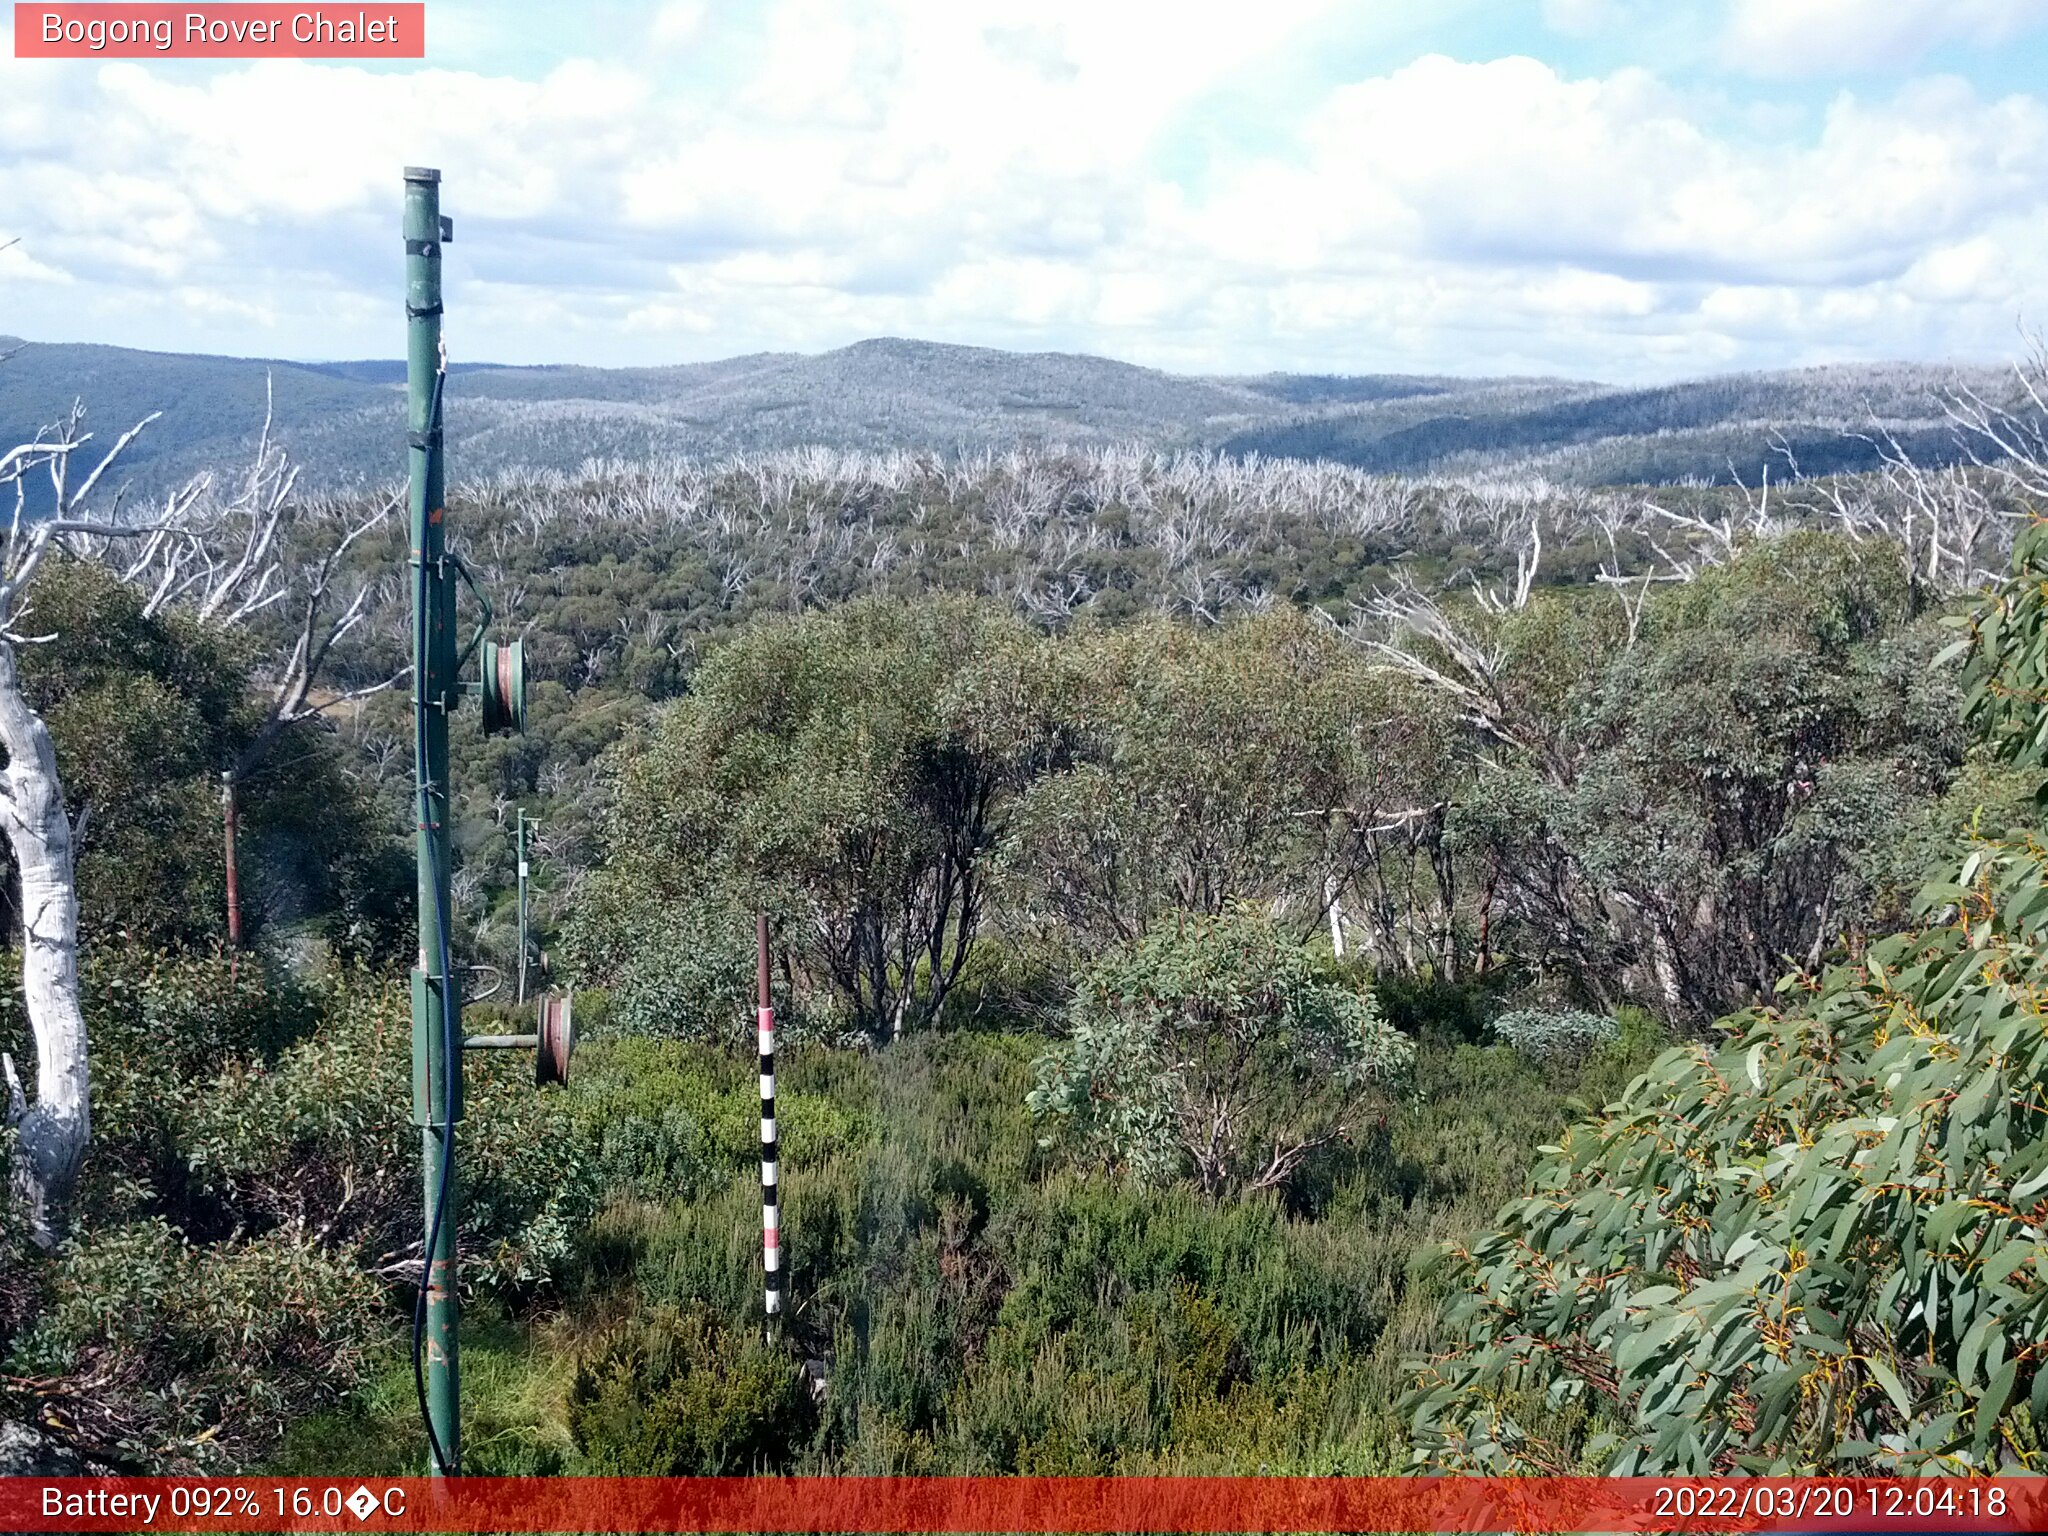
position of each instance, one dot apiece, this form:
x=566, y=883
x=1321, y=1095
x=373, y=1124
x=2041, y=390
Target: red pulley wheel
x=557, y=1042
x=504, y=687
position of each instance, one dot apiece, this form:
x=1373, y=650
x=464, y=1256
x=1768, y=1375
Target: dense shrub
x=675, y=1394
x=681, y=971
x=980, y=1306
x=1673, y=807
x=321, y=1139
x=1207, y=767
x=848, y=771
x=1816, y=1243
x=1430, y=1007
x=671, y=1120
x=1810, y=1246
x=250, y=1196
x=1555, y=1034
x=1213, y=1045
x=145, y=712
x=158, y=1352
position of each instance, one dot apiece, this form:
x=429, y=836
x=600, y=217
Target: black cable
x=451, y=1048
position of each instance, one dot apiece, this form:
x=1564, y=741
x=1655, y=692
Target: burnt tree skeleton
x=222, y=562
x=219, y=561
x=52, y=1130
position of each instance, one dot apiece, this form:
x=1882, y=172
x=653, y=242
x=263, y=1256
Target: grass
x=980, y=1306
x=514, y=1419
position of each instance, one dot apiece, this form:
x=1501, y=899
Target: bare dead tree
x=1953, y=523
x=225, y=560
x=52, y=1130
x=1411, y=632
x=1528, y=560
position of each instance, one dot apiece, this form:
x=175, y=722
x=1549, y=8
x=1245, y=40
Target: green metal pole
x=522, y=904
x=437, y=1076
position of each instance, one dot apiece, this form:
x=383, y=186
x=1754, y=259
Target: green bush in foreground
x=674, y=1394
x=982, y=1307
x=240, y=1255
x=155, y=1348
x=1819, y=1243
x=1212, y=1044
x=1822, y=1243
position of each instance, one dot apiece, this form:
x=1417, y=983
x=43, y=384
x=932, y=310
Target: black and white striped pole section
x=771, y=1211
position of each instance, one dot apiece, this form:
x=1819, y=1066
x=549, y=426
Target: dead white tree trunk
x=51, y=1134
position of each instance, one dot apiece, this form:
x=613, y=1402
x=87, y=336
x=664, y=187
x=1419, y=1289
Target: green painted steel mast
x=436, y=1002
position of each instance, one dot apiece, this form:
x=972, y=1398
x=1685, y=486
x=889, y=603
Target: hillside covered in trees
x=890, y=395
x=1231, y=915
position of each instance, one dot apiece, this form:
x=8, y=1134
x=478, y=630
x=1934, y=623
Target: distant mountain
x=343, y=419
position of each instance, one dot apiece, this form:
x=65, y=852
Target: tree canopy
x=1815, y=1243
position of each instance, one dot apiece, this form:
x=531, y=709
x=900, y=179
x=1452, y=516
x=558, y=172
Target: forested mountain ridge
x=341, y=418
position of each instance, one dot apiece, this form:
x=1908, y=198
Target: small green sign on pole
x=523, y=941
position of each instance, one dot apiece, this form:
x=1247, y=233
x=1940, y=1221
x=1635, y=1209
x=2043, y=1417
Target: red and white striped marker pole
x=771, y=1213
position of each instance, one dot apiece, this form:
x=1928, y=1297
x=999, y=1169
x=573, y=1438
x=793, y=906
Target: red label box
x=238, y=31
x=1052, y=1506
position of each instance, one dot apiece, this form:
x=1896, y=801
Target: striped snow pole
x=771, y=1215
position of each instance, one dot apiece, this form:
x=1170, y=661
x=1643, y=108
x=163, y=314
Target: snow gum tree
x=220, y=559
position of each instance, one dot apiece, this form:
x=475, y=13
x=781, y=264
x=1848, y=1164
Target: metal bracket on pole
x=429, y=1087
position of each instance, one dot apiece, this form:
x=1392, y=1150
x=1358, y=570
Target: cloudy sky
x=1623, y=189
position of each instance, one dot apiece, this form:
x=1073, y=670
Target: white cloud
x=1815, y=37
x=1510, y=162
x=676, y=22
x=17, y=266
x=1978, y=267
x=1018, y=173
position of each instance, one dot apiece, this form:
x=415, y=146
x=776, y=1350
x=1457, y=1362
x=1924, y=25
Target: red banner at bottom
x=1005, y=1504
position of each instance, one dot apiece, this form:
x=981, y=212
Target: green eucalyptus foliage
x=848, y=771
x=1210, y=767
x=242, y=1230
x=156, y=1350
x=2005, y=696
x=1821, y=1242
x=1214, y=1045
x=320, y=1139
x=672, y=970
x=1678, y=812
x=145, y=712
x=1555, y=1034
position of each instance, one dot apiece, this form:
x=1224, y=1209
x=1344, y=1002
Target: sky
x=1630, y=190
